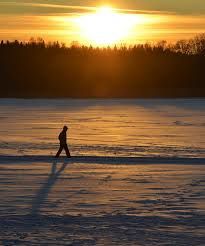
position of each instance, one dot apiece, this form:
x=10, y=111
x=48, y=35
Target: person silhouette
x=63, y=143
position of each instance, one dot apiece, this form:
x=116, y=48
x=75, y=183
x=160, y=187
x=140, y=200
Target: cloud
x=40, y=8
x=182, y=7
x=48, y=8
x=52, y=20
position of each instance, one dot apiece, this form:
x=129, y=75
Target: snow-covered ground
x=137, y=176
x=146, y=128
x=72, y=203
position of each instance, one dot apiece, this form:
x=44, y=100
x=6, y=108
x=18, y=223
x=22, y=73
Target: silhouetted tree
x=39, y=69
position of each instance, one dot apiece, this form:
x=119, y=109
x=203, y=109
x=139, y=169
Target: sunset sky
x=101, y=22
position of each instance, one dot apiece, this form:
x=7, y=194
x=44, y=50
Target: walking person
x=63, y=143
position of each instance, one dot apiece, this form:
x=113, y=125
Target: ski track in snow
x=135, y=128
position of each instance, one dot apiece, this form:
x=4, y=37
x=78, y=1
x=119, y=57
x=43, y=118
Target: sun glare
x=105, y=27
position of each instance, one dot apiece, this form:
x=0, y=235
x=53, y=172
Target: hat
x=65, y=128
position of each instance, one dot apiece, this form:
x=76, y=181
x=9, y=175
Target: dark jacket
x=62, y=138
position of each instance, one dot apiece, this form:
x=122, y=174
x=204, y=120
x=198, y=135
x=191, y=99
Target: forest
x=36, y=69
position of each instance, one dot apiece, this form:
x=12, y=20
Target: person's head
x=65, y=128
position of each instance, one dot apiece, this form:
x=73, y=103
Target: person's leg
x=59, y=151
x=67, y=150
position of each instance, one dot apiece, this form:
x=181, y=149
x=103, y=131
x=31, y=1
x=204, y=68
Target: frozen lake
x=82, y=204
x=130, y=128
x=96, y=198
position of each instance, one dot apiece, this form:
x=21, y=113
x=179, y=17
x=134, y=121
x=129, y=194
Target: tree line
x=40, y=69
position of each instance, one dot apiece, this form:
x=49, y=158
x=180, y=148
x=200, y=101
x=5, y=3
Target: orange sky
x=52, y=21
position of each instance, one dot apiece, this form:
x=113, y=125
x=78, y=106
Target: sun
x=106, y=26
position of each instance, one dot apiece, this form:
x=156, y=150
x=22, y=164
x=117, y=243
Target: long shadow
x=43, y=192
